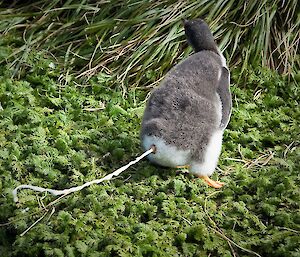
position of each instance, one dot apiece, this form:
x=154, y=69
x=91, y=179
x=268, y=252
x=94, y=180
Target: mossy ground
x=59, y=133
x=74, y=79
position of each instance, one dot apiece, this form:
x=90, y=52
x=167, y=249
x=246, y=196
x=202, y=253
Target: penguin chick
x=186, y=115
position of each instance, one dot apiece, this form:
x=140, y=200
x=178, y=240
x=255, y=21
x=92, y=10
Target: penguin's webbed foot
x=183, y=167
x=211, y=182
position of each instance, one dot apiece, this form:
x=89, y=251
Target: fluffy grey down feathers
x=186, y=115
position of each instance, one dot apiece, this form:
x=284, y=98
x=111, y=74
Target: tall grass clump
x=138, y=41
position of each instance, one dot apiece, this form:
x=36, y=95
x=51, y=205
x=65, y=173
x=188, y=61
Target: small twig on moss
x=289, y=229
x=232, y=249
x=94, y=109
x=52, y=212
x=36, y=222
x=40, y=209
x=268, y=159
x=221, y=233
x=240, y=151
x=261, y=160
x=236, y=160
x=288, y=148
x=78, y=188
x=56, y=200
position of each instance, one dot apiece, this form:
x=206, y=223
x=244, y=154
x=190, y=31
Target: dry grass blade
x=137, y=36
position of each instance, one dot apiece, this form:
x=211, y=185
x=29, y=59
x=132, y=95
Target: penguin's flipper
x=225, y=96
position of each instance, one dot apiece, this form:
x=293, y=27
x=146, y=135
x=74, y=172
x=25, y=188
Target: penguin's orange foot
x=212, y=183
x=183, y=167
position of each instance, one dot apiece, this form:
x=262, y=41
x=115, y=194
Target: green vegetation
x=73, y=84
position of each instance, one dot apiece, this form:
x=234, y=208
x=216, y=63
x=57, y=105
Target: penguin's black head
x=199, y=35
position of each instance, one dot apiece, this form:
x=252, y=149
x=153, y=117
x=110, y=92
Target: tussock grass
x=138, y=41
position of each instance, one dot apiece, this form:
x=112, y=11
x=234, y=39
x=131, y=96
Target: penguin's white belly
x=169, y=156
x=165, y=155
